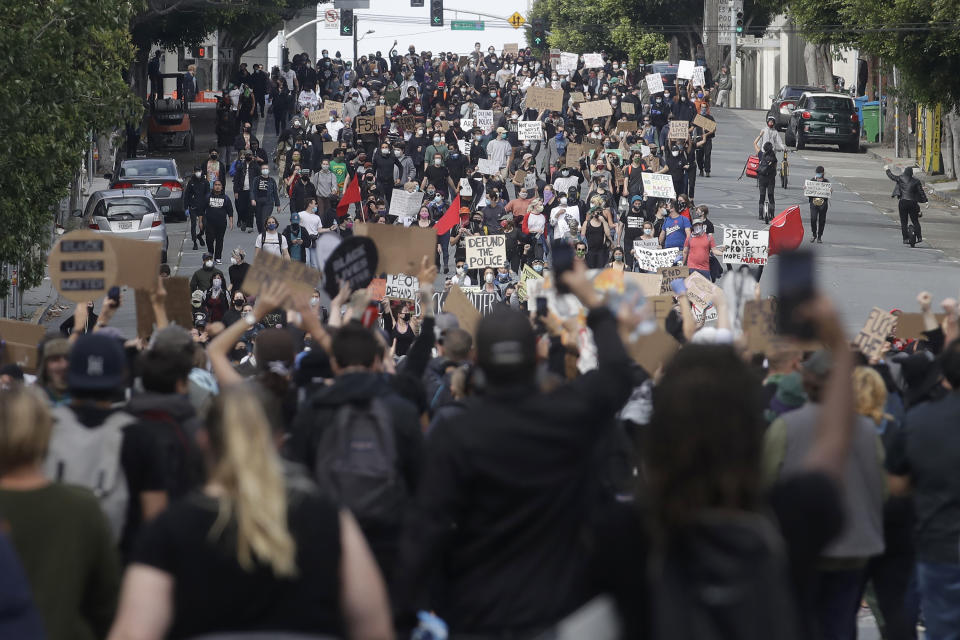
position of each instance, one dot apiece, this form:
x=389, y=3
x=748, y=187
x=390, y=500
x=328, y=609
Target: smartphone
x=795, y=287
x=541, y=307
x=114, y=295
x=562, y=262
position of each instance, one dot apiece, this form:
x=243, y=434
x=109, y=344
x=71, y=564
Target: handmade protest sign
x=679, y=129
x=405, y=204
x=511, y=48
x=660, y=306
x=20, y=342
x=871, y=339
x=592, y=60
x=530, y=130
x=577, y=97
x=486, y=251
x=484, y=119
x=488, y=167
x=669, y=274
x=596, y=109
x=653, y=260
x=700, y=291
x=654, y=350
x=817, y=189
x=627, y=108
x=648, y=283
x=399, y=249
x=464, y=146
x=401, y=287
x=138, y=262
x=568, y=63
x=268, y=268
x=658, y=185
x=457, y=303
x=759, y=325
x=705, y=123
x=685, y=69
x=627, y=125
x=176, y=304
x=910, y=326
x=466, y=124
x=380, y=114
x=550, y=99
x=315, y=117
x=366, y=125
x=653, y=164
x=83, y=265
x=407, y=123
x=377, y=289
x=574, y=151
x=745, y=246
x=654, y=83
x=519, y=177
x=699, y=77
x=354, y=261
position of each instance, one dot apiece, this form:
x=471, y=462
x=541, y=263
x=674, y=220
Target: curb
x=928, y=187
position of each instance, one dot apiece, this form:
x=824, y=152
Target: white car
x=132, y=213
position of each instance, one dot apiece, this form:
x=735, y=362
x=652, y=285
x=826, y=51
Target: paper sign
x=466, y=124
x=592, y=60
x=627, y=108
x=83, y=265
x=679, y=129
x=401, y=287
x=910, y=325
x=568, y=63
x=551, y=99
x=487, y=166
x=652, y=260
x=745, y=246
x=366, y=125
x=457, y=303
x=21, y=340
x=484, y=119
x=268, y=268
x=627, y=125
x=404, y=204
x=658, y=185
x=654, y=83
x=817, y=189
x=685, y=69
x=669, y=274
x=577, y=97
x=653, y=351
x=871, y=339
x=380, y=114
x=464, y=146
x=399, y=249
x=699, y=77
x=596, y=109
x=530, y=130
x=511, y=49
x=700, y=291
x=176, y=304
x=486, y=251
x=708, y=125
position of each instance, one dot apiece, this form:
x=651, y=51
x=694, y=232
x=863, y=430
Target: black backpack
x=356, y=463
x=725, y=577
x=768, y=165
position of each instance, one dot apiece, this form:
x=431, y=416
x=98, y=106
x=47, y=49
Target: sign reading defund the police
x=401, y=287
x=486, y=251
x=745, y=246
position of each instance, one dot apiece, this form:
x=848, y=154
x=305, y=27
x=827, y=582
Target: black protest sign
x=353, y=261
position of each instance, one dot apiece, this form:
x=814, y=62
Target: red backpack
x=753, y=164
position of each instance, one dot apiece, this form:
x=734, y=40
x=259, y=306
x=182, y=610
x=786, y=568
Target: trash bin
x=871, y=121
x=859, y=102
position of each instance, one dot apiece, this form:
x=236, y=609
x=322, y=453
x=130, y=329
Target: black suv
x=825, y=118
x=785, y=101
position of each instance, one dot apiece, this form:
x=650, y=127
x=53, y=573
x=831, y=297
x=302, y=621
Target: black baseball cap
x=97, y=363
x=506, y=348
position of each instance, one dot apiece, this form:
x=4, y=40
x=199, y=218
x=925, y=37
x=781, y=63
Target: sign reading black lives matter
x=486, y=251
x=354, y=261
x=83, y=265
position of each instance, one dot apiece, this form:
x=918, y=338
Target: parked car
x=785, y=101
x=131, y=213
x=825, y=118
x=668, y=73
x=153, y=174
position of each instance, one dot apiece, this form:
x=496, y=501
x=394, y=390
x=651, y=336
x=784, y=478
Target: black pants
x=912, y=209
x=215, y=235
x=703, y=157
x=818, y=219
x=264, y=209
x=279, y=119
x=597, y=258
x=767, y=186
x=260, y=101
x=691, y=180
x=193, y=227
x=241, y=201
x=890, y=574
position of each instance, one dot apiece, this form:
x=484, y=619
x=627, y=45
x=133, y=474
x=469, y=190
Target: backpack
x=235, y=167
x=356, y=463
x=767, y=166
x=90, y=457
x=753, y=162
x=725, y=577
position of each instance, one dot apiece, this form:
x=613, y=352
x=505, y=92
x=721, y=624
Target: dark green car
x=824, y=118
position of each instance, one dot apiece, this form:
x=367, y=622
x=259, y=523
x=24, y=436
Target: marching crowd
x=286, y=468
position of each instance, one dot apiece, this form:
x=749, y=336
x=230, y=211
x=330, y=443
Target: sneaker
x=813, y=239
x=219, y=261
x=446, y=270
x=708, y=174
x=194, y=246
x=819, y=240
x=701, y=173
x=200, y=240
x=919, y=238
x=249, y=229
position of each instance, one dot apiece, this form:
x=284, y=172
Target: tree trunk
x=674, y=49
x=819, y=64
x=950, y=143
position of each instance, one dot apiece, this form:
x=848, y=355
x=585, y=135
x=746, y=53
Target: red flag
x=350, y=195
x=450, y=218
x=786, y=231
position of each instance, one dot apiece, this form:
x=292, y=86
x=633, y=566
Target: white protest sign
x=699, y=77
x=592, y=60
x=816, y=189
x=530, y=130
x=484, y=119
x=745, y=246
x=685, y=69
x=464, y=146
x=644, y=151
x=401, y=287
x=653, y=259
x=655, y=83
x=658, y=185
x=568, y=63
x=466, y=124
x=487, y=167
x=405, y=204
x=486, y=251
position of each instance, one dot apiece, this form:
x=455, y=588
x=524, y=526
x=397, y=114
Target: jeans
x=940, y=599
x=838, y=600
x=891, y=574
x=767, y=185
x=723, y=98
x=818, y=219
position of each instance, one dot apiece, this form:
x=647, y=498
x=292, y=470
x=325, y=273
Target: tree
x=63, y=66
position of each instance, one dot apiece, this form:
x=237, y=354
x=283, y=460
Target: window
x=148, y=169
x=829, y=103
x=127, y=208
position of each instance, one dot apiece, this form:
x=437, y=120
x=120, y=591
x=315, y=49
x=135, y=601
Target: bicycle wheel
x=783, y=180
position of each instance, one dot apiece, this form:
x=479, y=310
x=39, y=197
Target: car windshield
x=794, y=92
x=827, y=103
x=129, y=206
x=148, y=169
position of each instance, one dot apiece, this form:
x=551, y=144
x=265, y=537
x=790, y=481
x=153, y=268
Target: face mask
x=424, y=215
x=264, y=172
x=436, y=162
x=538, y=268
x=818, y=175
x=208, y=264
x=771, y=124
x=647, y=231
x=596, y=129
x=385, y=152
x=238, y=354
x=493, y=94
x=488, y=278
x=238, y=303
x=563, y=201
x=618, y=258
x=581, y=252
x=314, y=302
x=196, y=174
x=675, y=153
x=272, y=226
x=436, y=139
x=233, y=261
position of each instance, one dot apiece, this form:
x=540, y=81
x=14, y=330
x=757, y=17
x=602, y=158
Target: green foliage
x=63, y=66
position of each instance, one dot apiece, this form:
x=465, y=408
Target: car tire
x=163, y=257
x=853, y=147
x=789, y=138
x=800, y=143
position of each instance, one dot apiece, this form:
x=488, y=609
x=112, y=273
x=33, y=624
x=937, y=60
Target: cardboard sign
x=21, y=341
x=527, y=273
x=573, y=154
x=654, y=83
x=652, y=260
x=596, y=109
x=648, y=283
x=760, y=325
x=366, y=125
x=315, y=117
x=519, y=177
x=399, y=249
x=660, y=307
x=627, y=108
x=627, y=125
x=488, y=167
x=268, y=268
x=679, y=129
x=658, y=185
x=511, y=49
x=539, y=99
x=669, y=274
x=593, y=60
x=530, y=130
x=653, y=164
x=329, y=146
x=871, y=339
x=699, y=77
x=138, y=262
x=700, y=291
x=577, y=97
x=910, y=325
x=745, y=246
x=708, y=125
x=401, y=287
x=457, y=303
x=484, y=119
x=406, y=123
x=377, y=289
x=404, y=204
x=486, y=251
x=83, y=265
x=177, y=305
x=325, y=111
x=654, y=350
x=685, y=69
x=466, y=124
x=380, y=114
x=817, y=189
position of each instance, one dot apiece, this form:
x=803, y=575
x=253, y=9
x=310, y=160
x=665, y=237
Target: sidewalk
x=937, y=186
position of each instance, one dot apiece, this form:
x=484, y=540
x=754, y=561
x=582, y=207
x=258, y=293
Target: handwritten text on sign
x=654, y=83
x=401, y=287
x=871, y=339
x=486, y=251
x=652, y=260
x=817, y=189
x=658, y=185
x=530, y=130
x=745, y=246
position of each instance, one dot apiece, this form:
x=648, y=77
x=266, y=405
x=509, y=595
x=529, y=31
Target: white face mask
x=675, y=153
x=397, y=153
x=264, y=172
x=233, y=261
x=208, y=263
x=314, y=302
x=217, y=282
x=436, y=162
x=488, y=278
x=563, y=201
x=459, y=271
x=196, y=174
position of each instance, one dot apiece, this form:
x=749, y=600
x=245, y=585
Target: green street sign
x=466, y=25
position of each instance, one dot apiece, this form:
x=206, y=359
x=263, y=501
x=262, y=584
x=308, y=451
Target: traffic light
x=200, y=52
x=739, y=22
x=346, y=22
x=436, y=13
x=539, y=33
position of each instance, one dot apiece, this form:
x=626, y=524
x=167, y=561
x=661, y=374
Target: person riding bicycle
x=911, y=194
x=767, y=178
x=769, y=134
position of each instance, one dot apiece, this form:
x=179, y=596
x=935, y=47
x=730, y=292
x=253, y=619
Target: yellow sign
x=928, y=137
x=516, y=20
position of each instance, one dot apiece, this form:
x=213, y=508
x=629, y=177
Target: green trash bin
x=871, y=121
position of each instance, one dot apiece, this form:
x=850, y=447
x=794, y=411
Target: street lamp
x=367, y=33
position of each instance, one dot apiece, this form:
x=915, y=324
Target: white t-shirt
x=289, y=76
x=334, y=128
x=272, y=242
x=536, y=222
x=310, y=222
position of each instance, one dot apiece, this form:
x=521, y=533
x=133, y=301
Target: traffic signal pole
x=355, y=19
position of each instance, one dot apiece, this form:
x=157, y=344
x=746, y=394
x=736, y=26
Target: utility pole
x=711, y=33
x=733, y=53
x=355, y=56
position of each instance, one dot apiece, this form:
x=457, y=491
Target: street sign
x=331, y=19
x=466, y=25
x=226, y=54
x=516, y=20
x=351, y=4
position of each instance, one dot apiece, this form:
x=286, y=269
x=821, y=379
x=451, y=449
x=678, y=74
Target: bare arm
x=363, y=596
x=145, y=611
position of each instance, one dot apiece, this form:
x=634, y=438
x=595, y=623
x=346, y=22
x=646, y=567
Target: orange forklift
x=169, y=125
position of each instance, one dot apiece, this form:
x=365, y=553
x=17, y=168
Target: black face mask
x=238, y=354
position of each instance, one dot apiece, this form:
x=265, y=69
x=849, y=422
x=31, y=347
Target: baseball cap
x=96, y=363
x=294, y=218
x=819, y=363
x=196, y=298
x=207, y=256
x=506, y=348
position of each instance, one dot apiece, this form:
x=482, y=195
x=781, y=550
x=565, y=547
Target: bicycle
x=784, y=170
x=767, y=212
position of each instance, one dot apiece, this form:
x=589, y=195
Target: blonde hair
x=247, y=467
x=870, y=394
x=25, y=426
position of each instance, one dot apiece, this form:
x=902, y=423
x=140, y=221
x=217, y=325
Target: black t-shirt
x=437, y=176
x=213, y=593
x=632, y=222
x=218, y=209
